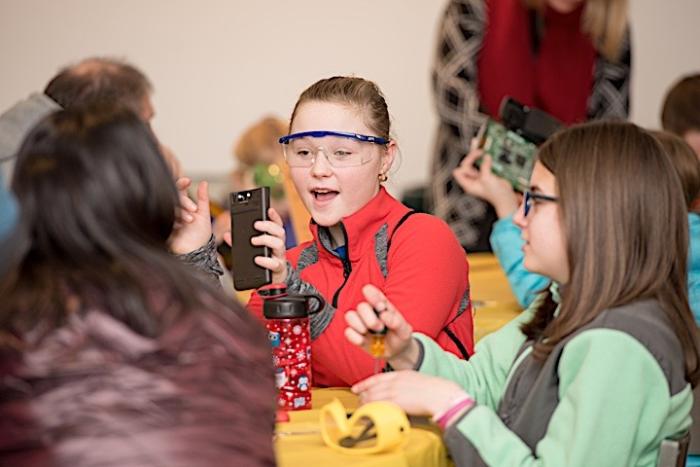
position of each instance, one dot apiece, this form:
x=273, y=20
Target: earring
x=382, y=177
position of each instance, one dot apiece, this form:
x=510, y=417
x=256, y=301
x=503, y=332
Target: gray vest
x=532, y=393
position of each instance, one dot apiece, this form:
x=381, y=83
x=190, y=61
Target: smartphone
x=512, y=155
x=247, y=207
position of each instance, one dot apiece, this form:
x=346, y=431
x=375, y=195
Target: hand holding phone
x=258, y=243
x=273, y=237
x=247, y=208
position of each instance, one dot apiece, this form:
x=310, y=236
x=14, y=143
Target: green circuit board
x=512, y=155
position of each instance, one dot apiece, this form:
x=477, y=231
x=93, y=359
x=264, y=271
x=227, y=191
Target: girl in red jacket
x=339, y=151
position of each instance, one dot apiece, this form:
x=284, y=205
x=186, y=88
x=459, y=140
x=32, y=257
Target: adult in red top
x=570, y=58
x=339, y=151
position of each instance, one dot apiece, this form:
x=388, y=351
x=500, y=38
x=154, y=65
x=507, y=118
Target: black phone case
x=247, y=207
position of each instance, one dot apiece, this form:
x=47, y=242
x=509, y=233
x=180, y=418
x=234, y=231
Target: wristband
x=464, y=401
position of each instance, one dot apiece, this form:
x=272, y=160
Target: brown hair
x=605, y=21
x=261, y=135
x=681, y=109
x=625, y=221
x=685, y=161
x=358, y=92
x=100, y=81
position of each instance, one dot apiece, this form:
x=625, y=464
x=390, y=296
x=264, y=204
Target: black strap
x=403, y=219
x=458, y=343
x=450, y=334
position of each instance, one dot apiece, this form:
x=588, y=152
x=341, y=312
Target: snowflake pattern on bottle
x=292, y=360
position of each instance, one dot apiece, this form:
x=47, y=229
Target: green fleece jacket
x=606, y=396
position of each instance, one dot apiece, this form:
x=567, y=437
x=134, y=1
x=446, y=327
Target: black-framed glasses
x=530, y=198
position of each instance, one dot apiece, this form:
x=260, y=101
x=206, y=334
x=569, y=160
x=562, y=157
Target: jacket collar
x=359, y=227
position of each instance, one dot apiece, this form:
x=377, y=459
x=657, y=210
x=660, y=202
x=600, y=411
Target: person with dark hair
x=109, y=83
x=680, y=113
x=569, y=58
x=599, y=370
x=112, y=351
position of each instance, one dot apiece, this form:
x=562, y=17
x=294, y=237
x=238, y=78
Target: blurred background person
x=570, y=58
x=680, y=115
x=687, y=165
x=260, y=162
x=9, y=233
x=108, y=82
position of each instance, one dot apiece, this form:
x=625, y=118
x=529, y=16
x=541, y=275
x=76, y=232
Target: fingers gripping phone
x=247, y=207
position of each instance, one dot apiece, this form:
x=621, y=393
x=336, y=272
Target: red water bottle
x=288, y=329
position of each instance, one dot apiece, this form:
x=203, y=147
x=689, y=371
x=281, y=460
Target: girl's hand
x=484, y=184
x=192, y=228
x=401, y=351
x=416, y=393
x=274, y=238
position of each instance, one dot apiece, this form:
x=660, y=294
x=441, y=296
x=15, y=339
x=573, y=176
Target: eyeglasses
x=340, y=148
x=531, y=198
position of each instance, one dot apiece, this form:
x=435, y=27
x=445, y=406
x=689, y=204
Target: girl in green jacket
x=598, y=371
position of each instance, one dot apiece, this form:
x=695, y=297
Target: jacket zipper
x=347, y=268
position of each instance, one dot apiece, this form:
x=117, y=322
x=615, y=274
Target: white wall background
x=218, y=65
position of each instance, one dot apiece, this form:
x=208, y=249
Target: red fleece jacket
x=426, y=279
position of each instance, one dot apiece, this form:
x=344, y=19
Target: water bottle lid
x=285, y=308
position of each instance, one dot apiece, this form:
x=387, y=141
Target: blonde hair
x=605, y=21
x=262, y=135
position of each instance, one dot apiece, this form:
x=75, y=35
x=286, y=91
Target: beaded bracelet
x=462, y=403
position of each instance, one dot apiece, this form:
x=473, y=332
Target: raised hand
x=193, y=224
x=484, y=184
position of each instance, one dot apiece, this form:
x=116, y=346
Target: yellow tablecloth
x=493, y=301
x=299, y=443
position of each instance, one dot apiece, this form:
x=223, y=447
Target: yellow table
x=299, y=443
x=493, y=301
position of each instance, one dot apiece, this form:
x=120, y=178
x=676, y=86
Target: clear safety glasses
x=341, y=149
